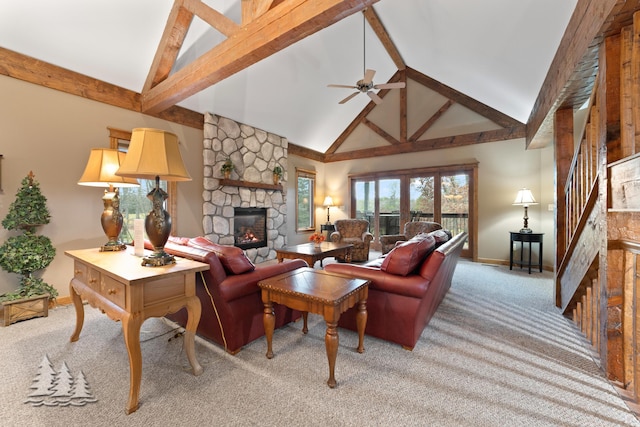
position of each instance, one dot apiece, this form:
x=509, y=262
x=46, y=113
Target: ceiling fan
x=366, y=85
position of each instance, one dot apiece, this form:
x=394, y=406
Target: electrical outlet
x=551, y=207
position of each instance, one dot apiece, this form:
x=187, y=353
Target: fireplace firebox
x=250, y=227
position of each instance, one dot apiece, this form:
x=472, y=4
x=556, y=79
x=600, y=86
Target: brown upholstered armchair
x=410, y=230
x=355, y=232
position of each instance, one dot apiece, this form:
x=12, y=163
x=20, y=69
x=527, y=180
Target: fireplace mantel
x=238, y=183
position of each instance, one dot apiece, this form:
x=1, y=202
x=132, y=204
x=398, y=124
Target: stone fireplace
x=250, y=227
x=254, y=153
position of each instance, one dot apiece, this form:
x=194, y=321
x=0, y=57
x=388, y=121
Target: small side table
x=523, y=238
x=318, y=292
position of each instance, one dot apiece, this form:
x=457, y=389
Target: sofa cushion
x=178, y=240
x=404, y=258
x=233, y=259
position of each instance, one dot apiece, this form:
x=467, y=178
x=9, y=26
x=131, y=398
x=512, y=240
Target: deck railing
x=389, y=222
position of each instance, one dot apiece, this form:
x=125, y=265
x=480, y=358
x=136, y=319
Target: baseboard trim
x=506, y=263
x=60, y=301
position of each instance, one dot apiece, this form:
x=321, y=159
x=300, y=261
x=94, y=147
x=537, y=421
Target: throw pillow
x=232, y=258
x=441, y=236
x=406, y=257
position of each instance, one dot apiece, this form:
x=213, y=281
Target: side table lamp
x=155, y=154
x=100, y=172
x=328, y=202
x=525, y=198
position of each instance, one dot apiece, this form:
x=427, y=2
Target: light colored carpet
x=496, y=353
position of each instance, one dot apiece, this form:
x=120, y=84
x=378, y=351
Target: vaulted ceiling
x=475, y=68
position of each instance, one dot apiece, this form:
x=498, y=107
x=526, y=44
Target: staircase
x=598, y=220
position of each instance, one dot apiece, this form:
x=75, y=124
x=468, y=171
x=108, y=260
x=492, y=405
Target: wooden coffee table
x=318, y=292
x=312, y=253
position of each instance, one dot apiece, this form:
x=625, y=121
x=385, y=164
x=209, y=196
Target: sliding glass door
x=378, y=202
x=390, y=199
x=421, y=198
x=454, y=202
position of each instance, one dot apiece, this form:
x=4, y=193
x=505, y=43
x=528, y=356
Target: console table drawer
x=113, y=290
x=87, y=275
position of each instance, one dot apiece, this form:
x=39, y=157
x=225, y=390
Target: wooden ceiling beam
x=173, y=36
x=280, y=27
x=430, y=121
x=31, y=70
x=251, y=9
x=404, y=106
x=380, y=132
x=378, y=28
x=484, y=110
x=305, y=152
x=212, y=17
x=575, y=60
x=430, y=144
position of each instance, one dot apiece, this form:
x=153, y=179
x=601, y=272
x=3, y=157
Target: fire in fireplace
x=250, y=227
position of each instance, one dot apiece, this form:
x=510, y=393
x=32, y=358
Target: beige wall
x=50, y=133
x=504, y=167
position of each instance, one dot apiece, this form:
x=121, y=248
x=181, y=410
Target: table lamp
x=154, y=154
x=100, y=172
x=328, y=202
x=525, y=198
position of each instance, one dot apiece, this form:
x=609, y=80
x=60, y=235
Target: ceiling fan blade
x=398, y=85
x=348, y=97
x=374, y=96
x=368, y=76
x=344, y=86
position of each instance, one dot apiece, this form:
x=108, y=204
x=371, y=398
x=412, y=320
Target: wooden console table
x=118, y=285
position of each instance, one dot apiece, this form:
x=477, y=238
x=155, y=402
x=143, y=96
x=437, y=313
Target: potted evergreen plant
x=227, y=168
x=277, y=174
x=27, y=253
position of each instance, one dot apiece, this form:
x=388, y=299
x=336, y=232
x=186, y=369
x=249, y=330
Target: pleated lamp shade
x=524, y=198
x=101, y=169
x=154, y=153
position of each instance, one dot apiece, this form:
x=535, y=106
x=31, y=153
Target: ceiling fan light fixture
x=366, y=85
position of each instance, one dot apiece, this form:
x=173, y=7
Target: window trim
x=311, y=174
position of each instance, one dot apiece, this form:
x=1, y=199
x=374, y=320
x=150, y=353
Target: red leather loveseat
x=407, y=286
x=231, y=302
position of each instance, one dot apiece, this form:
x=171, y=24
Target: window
x=134, y=203
x=305, y=196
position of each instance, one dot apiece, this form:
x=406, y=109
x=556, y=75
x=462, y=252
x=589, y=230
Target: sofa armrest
x=335, y=237
x=412, y=285
x=367, y=237
x=388, y=242
x=391, y=239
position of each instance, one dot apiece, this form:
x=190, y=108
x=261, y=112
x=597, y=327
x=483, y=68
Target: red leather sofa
x=231, y=302
x=407, y=286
